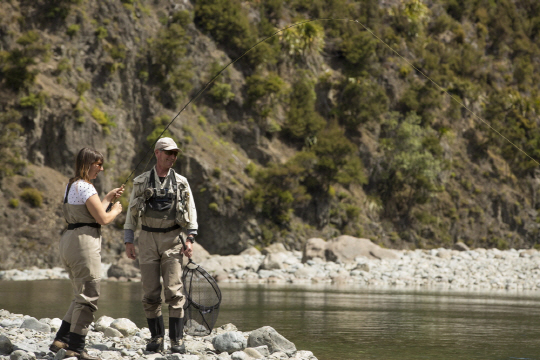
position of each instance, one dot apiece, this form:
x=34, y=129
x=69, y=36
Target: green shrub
x=227, y=22
x=58, y=9
x=14, y=203
x=103, y=119
x=362, y=100
x=409, y=172
x=216, y=173
x=101, y=33
x=251, y=169
x=34, y=100
x=264, y=93
x=11, y=160
x=73, y=30
x=32, y=196
x=303, y=122
x=221, y=93
x=214, y=207
x=168, y=65
x=159, y=123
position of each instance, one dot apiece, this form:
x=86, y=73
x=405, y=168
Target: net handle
x=184, y=248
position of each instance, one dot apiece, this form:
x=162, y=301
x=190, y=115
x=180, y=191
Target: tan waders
x=160, y=256
x=80, y=251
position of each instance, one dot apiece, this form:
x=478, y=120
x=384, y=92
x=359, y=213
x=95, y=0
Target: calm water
x=339, y=322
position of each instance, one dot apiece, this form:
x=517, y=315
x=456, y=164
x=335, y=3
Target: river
x=339, y=322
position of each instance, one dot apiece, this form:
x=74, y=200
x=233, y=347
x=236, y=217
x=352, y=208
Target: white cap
x=166, y=143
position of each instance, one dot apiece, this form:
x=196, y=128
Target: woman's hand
x=115, y=193
x=117, y=208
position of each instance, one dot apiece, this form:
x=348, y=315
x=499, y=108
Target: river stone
x=125, y=326
x=60, y=354
x=274, y=261
x=112, y=333
x=55, y=324
x=239, y=355
x=459, y=246
x=314, y=248
x=252, y=353
x=21, y=355
x=34, y=324
x=263, y=350
x=346, y=248
x=6, y=347
x=270, y=337
x=251, y=251
x=274, y=248
x=102, y=323
x=229, y=342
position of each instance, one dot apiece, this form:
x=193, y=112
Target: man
x=163, y=201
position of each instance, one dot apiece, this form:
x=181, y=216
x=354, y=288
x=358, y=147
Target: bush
x=104, y=120
x=303, y=122
x=159, y=123
x=32, y=196
x=221, y=93
x=362, y=100
x=409, y=172
x=14, y=203
x=11, y=160
x=73, y=30
x=168, y=69
x=34, y=100
x=227, y=22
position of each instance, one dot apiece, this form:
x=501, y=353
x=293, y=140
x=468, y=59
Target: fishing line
x=196, y=96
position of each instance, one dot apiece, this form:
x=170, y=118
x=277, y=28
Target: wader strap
x=67, y=193
x=160, y=230
x=78, y=225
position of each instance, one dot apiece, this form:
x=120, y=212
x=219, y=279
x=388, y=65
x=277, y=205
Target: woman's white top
x=80, y=192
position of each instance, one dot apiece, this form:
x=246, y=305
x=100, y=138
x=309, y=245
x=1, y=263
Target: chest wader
x=160, y=254
x=80, y=252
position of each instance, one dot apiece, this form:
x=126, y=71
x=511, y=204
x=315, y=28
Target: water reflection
x=339, y=323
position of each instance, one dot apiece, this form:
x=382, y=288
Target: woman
x=80, y=248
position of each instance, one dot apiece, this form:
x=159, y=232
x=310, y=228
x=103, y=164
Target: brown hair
x=84, y=160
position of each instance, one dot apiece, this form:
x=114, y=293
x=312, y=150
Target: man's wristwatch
x=191, y=238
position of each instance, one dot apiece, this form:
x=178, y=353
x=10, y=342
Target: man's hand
x=130, y=251
x=188, y=249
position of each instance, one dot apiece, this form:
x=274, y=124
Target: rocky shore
x=26, y=338
x=349, y=260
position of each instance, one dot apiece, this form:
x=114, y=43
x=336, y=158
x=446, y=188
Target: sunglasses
x=170, y=152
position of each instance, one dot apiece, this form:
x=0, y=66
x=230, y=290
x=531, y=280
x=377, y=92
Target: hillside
x=324, y=129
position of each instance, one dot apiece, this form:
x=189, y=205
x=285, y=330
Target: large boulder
x=125, y=326
x=229, y=342
x=34, y=324
x=347, y=248
x=103, y=323
x=271, y=338
x=314, y=248
x=274, y=261
x=6, y=347
x=274, y=248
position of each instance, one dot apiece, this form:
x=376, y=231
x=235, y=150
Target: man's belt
x=160, y=230
x=78, y=225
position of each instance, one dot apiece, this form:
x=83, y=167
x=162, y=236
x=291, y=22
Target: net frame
x=205, y=313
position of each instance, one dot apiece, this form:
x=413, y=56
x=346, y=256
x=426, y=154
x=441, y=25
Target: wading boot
x=176, y=333
x=76, y=348
x=157, y=331
x=61, y=339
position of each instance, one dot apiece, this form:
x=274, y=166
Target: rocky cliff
x=318, y=131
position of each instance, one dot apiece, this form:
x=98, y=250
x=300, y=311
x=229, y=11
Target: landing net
x=203, y=298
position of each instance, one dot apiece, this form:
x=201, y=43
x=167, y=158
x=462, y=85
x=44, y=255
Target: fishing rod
x=203, y=89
